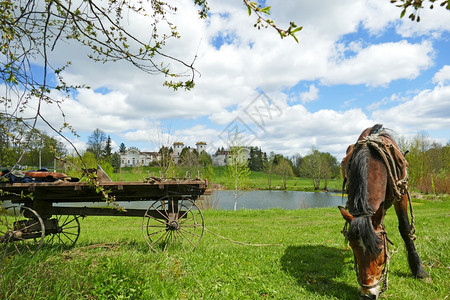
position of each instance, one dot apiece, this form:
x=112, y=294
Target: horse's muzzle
x=371, y=294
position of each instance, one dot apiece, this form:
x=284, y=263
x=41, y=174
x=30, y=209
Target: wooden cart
x=34, y=217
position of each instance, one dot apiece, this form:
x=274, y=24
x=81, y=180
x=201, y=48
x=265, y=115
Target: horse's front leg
x=415, y=264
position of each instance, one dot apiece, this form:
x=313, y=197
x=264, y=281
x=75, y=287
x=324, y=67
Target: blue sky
x=356, y=64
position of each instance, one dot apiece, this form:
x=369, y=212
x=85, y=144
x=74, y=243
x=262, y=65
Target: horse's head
x=368, y=241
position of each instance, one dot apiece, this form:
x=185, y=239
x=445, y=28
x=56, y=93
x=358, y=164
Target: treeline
x=429, y=161
x=39, y=150
x=429, y=164
x=319, y=166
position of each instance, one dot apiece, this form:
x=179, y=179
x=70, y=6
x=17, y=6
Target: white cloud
x=442, y=75
x=297, y=129
x=428, y=110
x=310, y=95
x=432, y=22
x=380, y=64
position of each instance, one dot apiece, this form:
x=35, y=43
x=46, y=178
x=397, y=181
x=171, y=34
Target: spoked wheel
x=64, y=231
x=172, y=223
x=21, y=231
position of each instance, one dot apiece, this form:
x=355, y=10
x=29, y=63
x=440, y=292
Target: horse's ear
x=347, y=216
x=378, y=216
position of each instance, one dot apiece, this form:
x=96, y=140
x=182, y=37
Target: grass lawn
x=309, y=261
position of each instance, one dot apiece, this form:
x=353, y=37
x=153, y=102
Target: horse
x=375, y=177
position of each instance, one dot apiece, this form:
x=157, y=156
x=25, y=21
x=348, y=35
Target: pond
x=276, y=199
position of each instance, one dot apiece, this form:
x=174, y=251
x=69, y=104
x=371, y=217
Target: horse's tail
x=358, y=173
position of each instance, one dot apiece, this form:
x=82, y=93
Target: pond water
x=276, y=199
x=247, y=200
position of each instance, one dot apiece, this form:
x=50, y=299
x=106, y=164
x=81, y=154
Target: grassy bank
x=310, y=261
x=258, y=180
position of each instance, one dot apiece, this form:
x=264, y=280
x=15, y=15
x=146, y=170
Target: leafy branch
x=262, y=13
x=417, y=5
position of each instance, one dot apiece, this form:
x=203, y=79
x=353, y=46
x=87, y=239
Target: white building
x=220, y=159
x=201, y=146
x=179, y=146
x=135, y=158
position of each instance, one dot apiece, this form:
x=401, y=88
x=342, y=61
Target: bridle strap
x=384, y=274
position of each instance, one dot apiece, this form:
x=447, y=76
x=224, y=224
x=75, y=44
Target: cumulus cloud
x=443, y=75
x=310, y=95
x=428, y=110
x=381, y=64
x=329, y=130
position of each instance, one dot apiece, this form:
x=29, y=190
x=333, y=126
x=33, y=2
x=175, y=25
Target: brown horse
x=375, y=174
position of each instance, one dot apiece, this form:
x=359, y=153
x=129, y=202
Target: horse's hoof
x=422, y=274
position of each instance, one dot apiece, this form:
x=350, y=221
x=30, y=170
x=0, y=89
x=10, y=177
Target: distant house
x=220, y=158
x=179, y=146
x=135, y=158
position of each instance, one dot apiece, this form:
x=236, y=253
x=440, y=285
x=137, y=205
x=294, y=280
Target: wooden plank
x=123, y=191
x=97, y=211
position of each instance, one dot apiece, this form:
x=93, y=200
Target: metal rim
x=21, y=231
x=67, y=231
x=173, y=223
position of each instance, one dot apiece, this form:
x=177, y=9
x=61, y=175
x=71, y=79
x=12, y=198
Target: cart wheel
x=173, y=223
x=65, y=233
x=21, y=231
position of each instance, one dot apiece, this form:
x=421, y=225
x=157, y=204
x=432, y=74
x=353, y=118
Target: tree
x=115, y=162
x=204, y=159
x=189, y=160
x=329, y=167
x=297, y=160
x=237, y=167
x=42, y=150
x=269, y=167
x=165, y=162
x=96, y=143
x=122, y=148
x=107, y=151
x=256, y=159
x=429, y=164
x=284, y=168
x=318, y=165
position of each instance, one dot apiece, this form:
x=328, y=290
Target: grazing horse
x=375, y=175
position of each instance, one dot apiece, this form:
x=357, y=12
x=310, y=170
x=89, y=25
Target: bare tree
x=189, y=160
x=96, y=143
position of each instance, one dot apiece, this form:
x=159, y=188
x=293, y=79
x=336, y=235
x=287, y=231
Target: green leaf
x=296, y=30
x=403, y=13
x=266, y=10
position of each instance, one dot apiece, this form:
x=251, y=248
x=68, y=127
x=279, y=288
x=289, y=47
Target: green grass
x=112, y=261
x=258, y=180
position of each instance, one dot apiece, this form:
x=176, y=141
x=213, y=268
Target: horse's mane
x=361, y=228
x=358, y=173
x=358, y=195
